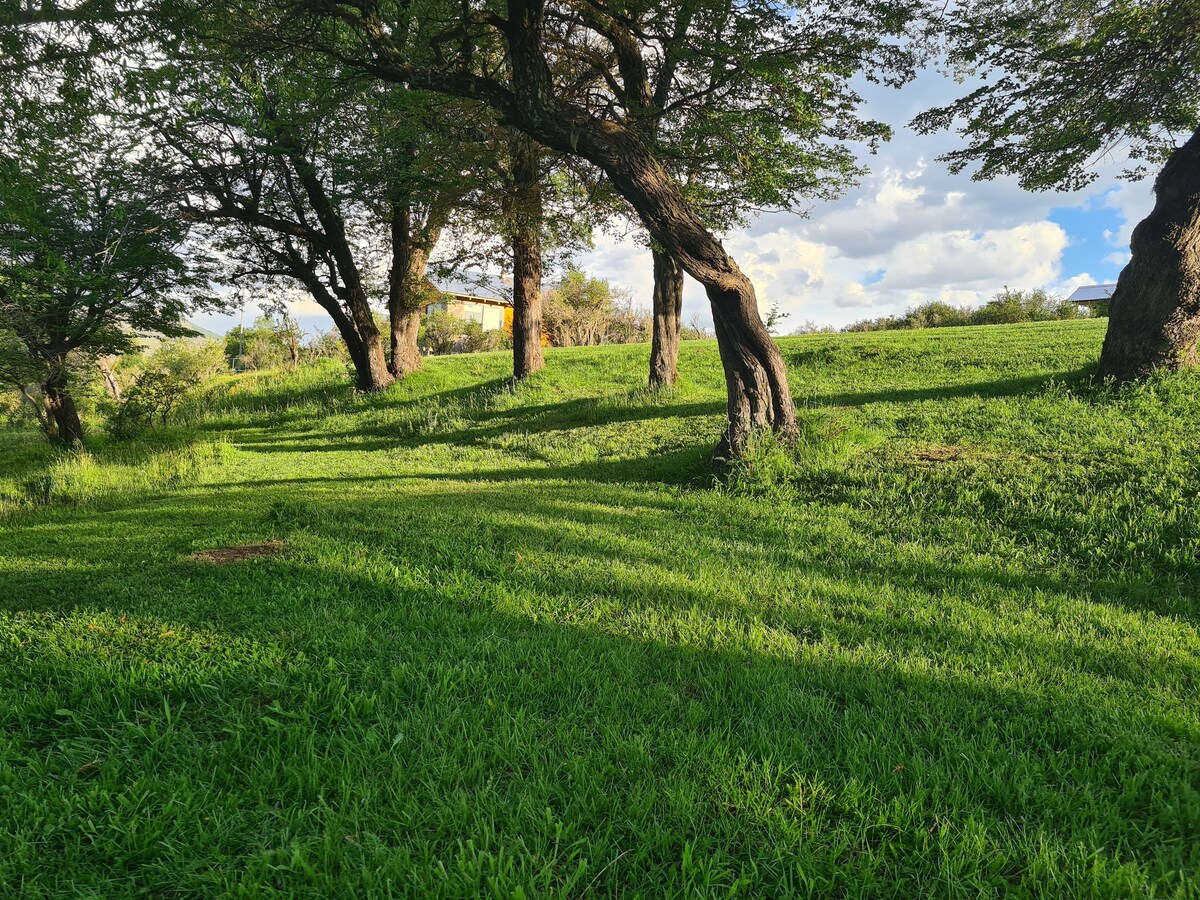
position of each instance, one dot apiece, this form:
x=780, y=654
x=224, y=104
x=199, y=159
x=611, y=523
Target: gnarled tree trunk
x=668, y=309
x=755, y=376
x=406, y=355
x=357, y=327
x=527, y=258
x=61, y=406
x=412, y=245
x=372, y=373
x=1154, y=322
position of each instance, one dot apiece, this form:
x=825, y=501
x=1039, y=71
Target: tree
x=526, y=213
x=90, y=248
x=263, y=154
x=559, y=85
x=1064, y=86
x=421, y=164
x=172, y=370
x=765, y=130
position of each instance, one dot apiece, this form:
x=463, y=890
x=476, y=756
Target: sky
x=909, y=233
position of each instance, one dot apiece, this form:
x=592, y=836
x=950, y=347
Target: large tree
x=549, y=88
x=743, y=124
x=263, y=150
x=422, y=165
x=91, y=248
x=1062, y=87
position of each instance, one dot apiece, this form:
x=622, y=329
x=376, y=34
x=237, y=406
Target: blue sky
x=910, y=232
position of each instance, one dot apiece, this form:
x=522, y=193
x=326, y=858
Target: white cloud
x=853, y=296
x=1066, y=288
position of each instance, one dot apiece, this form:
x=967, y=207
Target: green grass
x=530, y=643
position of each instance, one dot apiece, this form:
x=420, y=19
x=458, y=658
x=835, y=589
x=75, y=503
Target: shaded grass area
x=528, y=642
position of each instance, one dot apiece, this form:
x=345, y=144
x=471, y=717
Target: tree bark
x=354, y=323
x=412, y=246
x=373, y=374
x=1154, y=322
x=527, y=258
x=61, y=406
x=668, y=310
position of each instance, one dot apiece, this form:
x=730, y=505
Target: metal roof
x=1089, y=293
x=475, y=284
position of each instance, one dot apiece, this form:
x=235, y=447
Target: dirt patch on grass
x=224, y=555
x=936, y=453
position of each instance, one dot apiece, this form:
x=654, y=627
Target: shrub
x=170, y=372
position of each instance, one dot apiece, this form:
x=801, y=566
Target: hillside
x=532, y=641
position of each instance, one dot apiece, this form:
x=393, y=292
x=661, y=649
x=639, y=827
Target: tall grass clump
x=774, y=466
x=81, y=477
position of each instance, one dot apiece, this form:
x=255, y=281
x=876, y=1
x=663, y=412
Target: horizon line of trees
x=1009, y=307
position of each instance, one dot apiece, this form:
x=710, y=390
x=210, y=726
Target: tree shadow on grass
x=484, y=425
x=1076, y=379
x=481, y=427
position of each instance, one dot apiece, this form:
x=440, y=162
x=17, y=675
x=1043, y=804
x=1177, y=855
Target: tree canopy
x=1062, y=87
x=92, y=251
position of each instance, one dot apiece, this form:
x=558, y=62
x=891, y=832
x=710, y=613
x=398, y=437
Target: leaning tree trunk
x=1154, y=322
x=61, y=406
x=527, y=258
x=372, y=371
x=357, y=327
x=755, y=376
x=668, y=309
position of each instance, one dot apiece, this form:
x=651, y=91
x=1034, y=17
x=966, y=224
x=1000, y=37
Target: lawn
x=518, y=643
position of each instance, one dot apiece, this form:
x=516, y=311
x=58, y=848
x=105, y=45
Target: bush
x=582, y=312
x=170, y=372
x=439, y=331
x=327, y=346
x=442, y=333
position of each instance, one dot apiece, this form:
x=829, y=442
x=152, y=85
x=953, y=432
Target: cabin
x=1092, y=296
x=482, y=300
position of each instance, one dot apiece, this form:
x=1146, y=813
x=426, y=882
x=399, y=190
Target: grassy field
x=530, y=643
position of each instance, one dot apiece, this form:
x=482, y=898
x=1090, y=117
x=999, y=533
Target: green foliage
x=1008, y=307
x=175, y=368
x=90, y=246
x=439, y=331
x=517, y=642
x=442, y=332
x=1057, y=89
x=89, y=241
x=272, y=342
x=328, y=345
